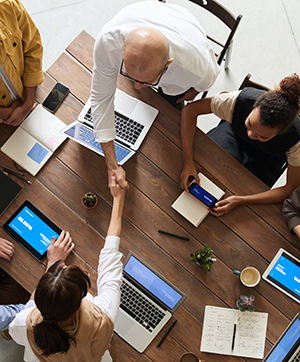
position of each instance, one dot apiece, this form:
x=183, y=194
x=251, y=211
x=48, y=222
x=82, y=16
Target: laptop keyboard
x=127, y=129
x=296, y=358
x=139, y=308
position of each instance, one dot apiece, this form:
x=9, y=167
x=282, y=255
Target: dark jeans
x=264, y=166
x=172, y=99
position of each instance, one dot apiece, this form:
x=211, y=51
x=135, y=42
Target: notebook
x=133, y=119
x=191, y=208
x=148, y=301
x=35, y=140
x=9, y=190
x=232, y=332
x=287, y=348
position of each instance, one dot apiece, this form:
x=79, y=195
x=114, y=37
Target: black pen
x=21, y=178
x=174, y=235
x=233, y=338
x=11, y=171
x=167, y=333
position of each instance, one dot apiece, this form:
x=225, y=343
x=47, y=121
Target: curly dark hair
x=278, y=108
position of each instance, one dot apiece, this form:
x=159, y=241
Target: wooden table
x=246, y=236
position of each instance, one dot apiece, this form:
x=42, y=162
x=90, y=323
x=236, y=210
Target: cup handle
x=236, y=272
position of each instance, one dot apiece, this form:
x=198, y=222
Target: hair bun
x=290, y=89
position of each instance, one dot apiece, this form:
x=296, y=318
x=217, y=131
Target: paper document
x=232, y=332
x=35, y=140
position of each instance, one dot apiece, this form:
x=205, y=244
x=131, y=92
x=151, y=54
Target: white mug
x=249, y=276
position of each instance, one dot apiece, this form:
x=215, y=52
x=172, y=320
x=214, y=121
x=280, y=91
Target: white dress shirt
x=108, y=299
x=194, y=62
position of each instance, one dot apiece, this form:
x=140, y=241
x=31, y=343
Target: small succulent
x=203, y=257
x=89, y=199
x=246, y=302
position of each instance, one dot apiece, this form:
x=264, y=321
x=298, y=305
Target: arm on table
x=273, y=196
x=7, y=249
x=188, y=127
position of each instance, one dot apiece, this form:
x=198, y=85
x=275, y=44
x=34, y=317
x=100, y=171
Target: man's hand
x=115, y=189
x=189, y=169
x=18, y=113
x=188, y=96
x=120, y=177
x=59, y=249
x=7, y=249
x=225, y=206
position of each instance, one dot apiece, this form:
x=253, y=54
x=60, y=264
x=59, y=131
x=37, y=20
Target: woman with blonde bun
x=260, y=129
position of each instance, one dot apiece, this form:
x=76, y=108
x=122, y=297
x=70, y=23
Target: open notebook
x=191, y=208
x=35, y=140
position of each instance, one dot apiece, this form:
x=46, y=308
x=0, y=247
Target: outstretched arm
x=273, y=196
x=188, y=127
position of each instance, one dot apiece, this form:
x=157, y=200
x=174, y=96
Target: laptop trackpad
x=125, y=103
x=123, y=324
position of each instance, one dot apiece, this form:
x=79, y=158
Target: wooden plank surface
x=246, y=236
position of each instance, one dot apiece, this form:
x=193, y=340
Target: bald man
x=151, y=43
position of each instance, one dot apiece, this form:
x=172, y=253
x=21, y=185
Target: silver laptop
x=148, y=301
x=287, y=348
x=133, y=119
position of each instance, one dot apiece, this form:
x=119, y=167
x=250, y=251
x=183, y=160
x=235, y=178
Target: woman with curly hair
x=260, y=129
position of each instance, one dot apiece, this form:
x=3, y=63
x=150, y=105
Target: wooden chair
x=249, y=83
x=228, y=19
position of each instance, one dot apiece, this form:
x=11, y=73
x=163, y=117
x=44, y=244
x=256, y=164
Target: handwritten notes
x=218, y=332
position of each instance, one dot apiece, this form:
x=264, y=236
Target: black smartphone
x=55, y=97
x=202, y=195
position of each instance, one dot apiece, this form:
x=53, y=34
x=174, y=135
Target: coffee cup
x=189, y=357
x=249, y=276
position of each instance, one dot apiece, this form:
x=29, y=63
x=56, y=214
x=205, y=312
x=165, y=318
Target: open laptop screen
x=151, y=281
x=286, y=343
x=85, y=136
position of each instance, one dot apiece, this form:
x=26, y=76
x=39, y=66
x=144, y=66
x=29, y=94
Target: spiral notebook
x=191, y=208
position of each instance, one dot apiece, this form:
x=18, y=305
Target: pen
x=21, y=178
x=175, y=236
x=13, y=172
x=233, y=338
x=167, y=333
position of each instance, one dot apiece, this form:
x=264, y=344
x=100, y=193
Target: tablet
x=284, y=274
x=32, y=229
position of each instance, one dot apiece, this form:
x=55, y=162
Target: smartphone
x=202, y=195
x=55, y=97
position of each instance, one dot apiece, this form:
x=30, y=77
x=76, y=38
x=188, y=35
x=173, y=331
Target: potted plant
x=203, y=257
x=89, y=200
x=246, y=302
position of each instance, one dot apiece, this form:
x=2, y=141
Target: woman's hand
x=225, y=206
x=7, y=249
x=60, y=248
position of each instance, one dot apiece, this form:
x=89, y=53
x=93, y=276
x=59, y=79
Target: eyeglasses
x=137, y=81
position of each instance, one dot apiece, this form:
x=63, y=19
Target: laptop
x=133, y=119
x=287, y=348
x=148, y=301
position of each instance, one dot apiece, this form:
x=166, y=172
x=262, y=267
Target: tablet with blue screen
x=284, y=274
x=32, y=229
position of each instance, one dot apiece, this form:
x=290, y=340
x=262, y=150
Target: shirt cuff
x=294, y=221
x=112, y=242
x=105, y=135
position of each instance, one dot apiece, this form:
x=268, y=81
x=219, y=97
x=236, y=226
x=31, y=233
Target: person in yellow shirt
x=21, y=54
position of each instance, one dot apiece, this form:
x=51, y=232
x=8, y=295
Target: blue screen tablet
x=32, y=229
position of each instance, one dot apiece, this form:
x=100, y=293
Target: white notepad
x=218, y=332
x=35, y=140
x=191, y=208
